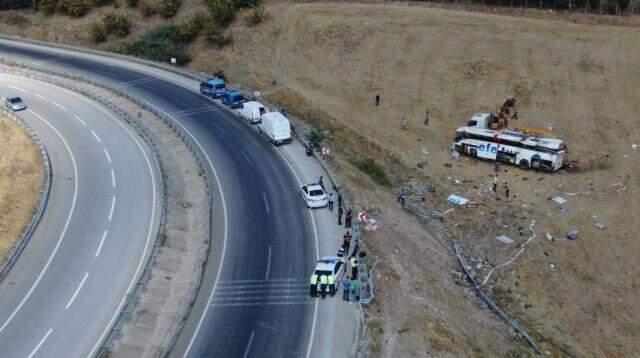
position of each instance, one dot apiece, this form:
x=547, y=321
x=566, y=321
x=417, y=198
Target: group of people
x=326, y=281
x=507, y=188
x=348, y=218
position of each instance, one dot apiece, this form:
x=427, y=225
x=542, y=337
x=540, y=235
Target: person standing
x=354, y=266
x=330, y=202
x=346, y=242
x=402, y=196
x=377, y=99
x=495, y=183
x=426, y=118
x=332, y=285
x=355, y=290
x=348, y=219
x=324, y=281
x=346, y=288
x=320, y=182
x=340, y=212
x=405, y=123
x=507, y=189
x=313, y=287
x=340, y=203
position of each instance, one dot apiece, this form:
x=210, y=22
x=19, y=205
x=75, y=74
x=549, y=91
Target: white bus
x=525, y=150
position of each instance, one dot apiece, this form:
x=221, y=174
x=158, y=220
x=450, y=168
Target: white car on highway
x=331, y=265
x=314, y=196
x=15, y=103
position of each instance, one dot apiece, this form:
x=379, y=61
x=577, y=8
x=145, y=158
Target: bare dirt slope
x=21, y=176
x=326, y=61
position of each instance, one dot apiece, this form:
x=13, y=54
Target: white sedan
x=331, y=266
x=314, y=196
x=15, y=103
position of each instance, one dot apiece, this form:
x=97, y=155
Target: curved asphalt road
x=102, y=215
x=253, y=302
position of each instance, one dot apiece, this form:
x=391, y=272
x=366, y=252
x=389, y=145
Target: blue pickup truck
x=233, y=98
x=213, y=87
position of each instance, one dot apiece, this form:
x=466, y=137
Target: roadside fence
x=133, y=297
x=14, y=252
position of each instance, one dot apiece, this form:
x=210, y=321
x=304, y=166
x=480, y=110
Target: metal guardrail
x=14, y=253
x=491, y=304
x=133, y=297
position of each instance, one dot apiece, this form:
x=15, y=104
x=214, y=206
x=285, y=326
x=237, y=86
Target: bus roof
x=513, y=136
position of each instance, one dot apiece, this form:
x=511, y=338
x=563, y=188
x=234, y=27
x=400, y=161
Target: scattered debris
x=540, y=179
x=504, y=239
x=372, y=225
x=600, y=226
x=562, y=209
x=455, y=155
x=553, y=267
x=522, y=247
x=448, y=165
x=458, y=200
x=572, y=235
x=550, y=237
x=559, y=200
x=634, y=146
x=448, y=210
x=422, y=164
x=424, y=152
x=454, y=180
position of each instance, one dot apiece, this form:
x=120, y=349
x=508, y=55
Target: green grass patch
x=161, y=44
x=374, y=170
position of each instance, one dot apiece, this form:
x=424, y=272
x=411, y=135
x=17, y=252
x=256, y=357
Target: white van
x=276, y=127
x=252, y=111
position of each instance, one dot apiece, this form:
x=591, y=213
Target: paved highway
x=102, y=215
x=253, y=302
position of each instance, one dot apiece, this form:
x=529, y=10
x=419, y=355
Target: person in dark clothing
x=402, y=196
x=308, y=150
x=320, y=182
x=348, y=219
x=426, y=119
x=377, y=99
x=340, y=203
x=507, y=189
x=346, y=242
x=340, y=212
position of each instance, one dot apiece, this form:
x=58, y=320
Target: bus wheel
x=473, y=152
x=524, y=164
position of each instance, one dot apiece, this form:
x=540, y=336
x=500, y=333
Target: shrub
x=18, y=20
x=373, y=170
x=245, y=3
x=78, y=8
x=97, y=31
x=216, y=37
x=47, y=7
x=169, y=8
x=146, y=9
x=315, y=137
x=255, y=14
x=98, y=3
x=220, y=74
x=189, y=29
x=161, y=44
x=132, y=3
x=116, y=23
x=222, y=11
x=62, y=6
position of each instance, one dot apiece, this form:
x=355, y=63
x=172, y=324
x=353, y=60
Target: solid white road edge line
x=59, y=105
x=35, y=350
x=113, y=205
x=248, y=349
x=75, y=294
x=226, y=231
x=113, y=178
x=106, y=153
x=80, y=120
x=64, y=230
x=315, y=231
x=96, y=136
x=104, y=236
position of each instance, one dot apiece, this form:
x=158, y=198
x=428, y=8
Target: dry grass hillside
x=326, y=61
x=21, y=175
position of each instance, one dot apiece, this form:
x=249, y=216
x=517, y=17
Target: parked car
x=314, y=196
x=15, y=103
x=213, y=87
x=252, y=111
x=233, y=99
x=276, y=127
x=331, y=266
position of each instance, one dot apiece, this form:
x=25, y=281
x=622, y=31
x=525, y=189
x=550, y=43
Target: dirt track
x=21, y=176
x=328, y=60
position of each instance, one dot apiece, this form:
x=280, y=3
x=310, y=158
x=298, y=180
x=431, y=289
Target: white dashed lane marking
x=96, y=136
x=59, y=105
